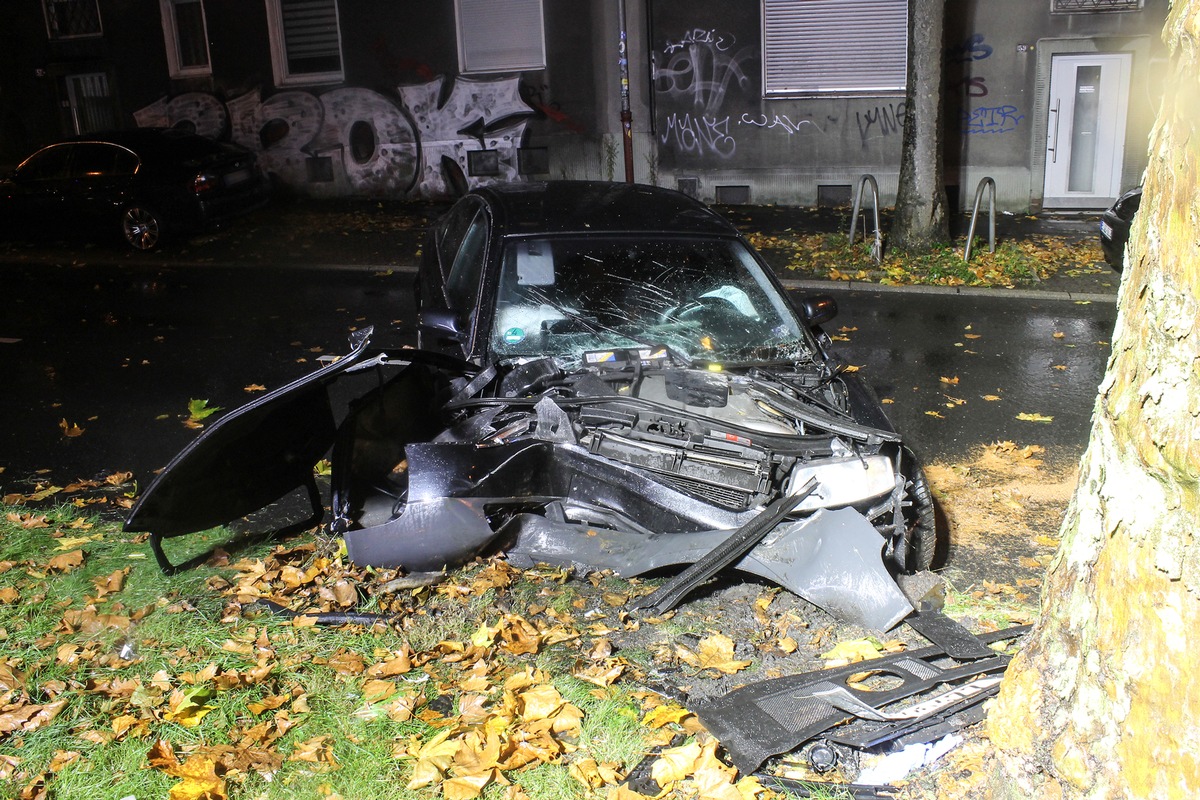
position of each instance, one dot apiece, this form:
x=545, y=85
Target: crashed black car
x=607, y=376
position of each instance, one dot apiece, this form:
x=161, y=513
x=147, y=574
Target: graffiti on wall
x=359, y=141
x=780, y=122
x=973, y=48
x=478, y=115
x=995, y=119
x=700, y=69
x=699, y=77
x=700, y=135
x=882, y=120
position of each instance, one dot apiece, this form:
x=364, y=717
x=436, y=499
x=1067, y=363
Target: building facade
x=740, y=101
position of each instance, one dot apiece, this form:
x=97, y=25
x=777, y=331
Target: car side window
x=47, y=164
x=95, y=160
x=450, y=237
x=462, y=284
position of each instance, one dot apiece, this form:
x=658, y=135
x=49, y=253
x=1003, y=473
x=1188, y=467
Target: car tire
x=920, y=537
x=142, y=226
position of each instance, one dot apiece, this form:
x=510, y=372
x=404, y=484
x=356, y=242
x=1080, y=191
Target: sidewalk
x=388, y=235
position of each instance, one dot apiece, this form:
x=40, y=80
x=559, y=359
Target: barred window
x=306, y=41
x=834, y=47
x=71, y=19
x=500, y=35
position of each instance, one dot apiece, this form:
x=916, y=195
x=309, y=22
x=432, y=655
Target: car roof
x=154, y=141
x=561, y=207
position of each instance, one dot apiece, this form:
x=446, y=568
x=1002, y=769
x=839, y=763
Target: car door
x=450, y=290
x=100, y=177
x=33, y=196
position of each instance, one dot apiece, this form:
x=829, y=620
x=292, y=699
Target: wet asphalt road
x=119, y=352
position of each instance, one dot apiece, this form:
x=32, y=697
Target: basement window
x=1093, y=6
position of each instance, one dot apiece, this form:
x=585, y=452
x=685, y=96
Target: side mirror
x=442, y=322
x=818, y=309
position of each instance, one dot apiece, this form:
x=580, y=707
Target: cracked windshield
x=704, y=299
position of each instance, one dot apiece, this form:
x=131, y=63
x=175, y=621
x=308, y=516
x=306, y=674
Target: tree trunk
x=1105, y=699
x=920, y=222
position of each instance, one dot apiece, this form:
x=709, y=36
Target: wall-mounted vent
x=689, y=186
x=834, y=195
x=483, y=162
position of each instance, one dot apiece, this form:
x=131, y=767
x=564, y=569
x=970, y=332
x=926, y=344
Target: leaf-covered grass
x=1016, y=262
x=118, y=681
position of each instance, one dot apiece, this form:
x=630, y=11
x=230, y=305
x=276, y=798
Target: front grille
x=724, y=496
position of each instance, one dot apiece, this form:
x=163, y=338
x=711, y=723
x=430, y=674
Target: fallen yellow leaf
x=70, y=429
x=715, y=652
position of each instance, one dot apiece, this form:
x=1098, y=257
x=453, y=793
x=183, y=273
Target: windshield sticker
x=602, y=357
x=514, y=336
x=653, y=354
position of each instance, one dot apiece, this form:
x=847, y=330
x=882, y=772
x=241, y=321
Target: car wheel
x=142, y=227
x=920, y=538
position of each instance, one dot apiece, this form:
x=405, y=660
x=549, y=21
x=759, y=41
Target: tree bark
x=920, y=221
x=1105, y=699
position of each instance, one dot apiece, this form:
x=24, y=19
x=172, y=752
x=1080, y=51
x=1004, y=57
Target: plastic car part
x=920, y=723
x=830, y=558
x=671, y=593
x=427, y=537
x=947, y=634
x=795, y=788
x=776, y=716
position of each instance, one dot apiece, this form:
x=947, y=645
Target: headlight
x=843, y=481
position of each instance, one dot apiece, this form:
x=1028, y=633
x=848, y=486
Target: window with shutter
x=306, y=41
x=834, y=47
x=500, y=35
x=186, y=34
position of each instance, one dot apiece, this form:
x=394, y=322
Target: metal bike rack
x=877, y=246
x=991, y=186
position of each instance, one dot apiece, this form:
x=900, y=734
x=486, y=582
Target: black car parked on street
x=608, y=377
x=147, y=183
x=1114, y=227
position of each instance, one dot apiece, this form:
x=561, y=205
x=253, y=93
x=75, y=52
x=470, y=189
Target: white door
x=1085, y=139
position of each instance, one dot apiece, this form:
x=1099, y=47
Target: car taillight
x=205, y=183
